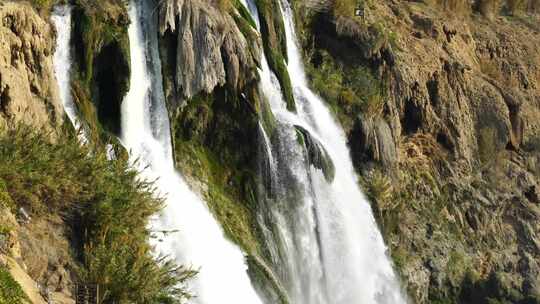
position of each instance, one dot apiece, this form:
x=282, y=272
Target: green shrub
x=105, y=203
x=5, y=199
x=43, y=5
x=10, y=291
x=348, y=90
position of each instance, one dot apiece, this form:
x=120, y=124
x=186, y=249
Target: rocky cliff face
x=457, y=198
x=37, y=252
x=28, y=89
x=442, y=108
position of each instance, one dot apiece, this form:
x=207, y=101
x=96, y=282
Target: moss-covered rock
x=215, y=140
x=275, y=46
x=316, y=153
x=102, y=61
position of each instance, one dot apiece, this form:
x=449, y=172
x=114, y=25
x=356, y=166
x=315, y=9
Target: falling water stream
x=199, y=240
x=325, y=239
x=185, y=229
x=61, y=18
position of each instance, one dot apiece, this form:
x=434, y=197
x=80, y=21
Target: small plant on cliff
x=10, y=291
x=344, y=8
x=380, y=191
x=349, y=91
x=43, y=6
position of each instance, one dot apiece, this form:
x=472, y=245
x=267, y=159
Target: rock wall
x=457, y=198
x=28, y=89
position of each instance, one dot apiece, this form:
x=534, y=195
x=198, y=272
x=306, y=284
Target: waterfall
x=325, y=236
x=61, y=18
x=191, y=236
x=322, y=236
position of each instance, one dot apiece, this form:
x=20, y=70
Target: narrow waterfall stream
x=61, y=18
x=329, y=249
x=197, y=239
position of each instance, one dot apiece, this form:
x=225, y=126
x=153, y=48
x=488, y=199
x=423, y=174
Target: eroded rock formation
x=28, y=89
x=211, y=50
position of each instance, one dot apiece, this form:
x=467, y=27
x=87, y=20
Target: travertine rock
x=28, y=88
x=211, y=50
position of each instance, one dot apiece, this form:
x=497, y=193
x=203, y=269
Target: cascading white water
x=327, y=240
x=330, y=245
x=61, y=18
x=199, y=241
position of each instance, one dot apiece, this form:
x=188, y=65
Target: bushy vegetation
x=348, y=90
x=346, y=8
x=104, y=202
x=10, y=291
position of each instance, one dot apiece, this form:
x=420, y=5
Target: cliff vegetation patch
x=105, y=207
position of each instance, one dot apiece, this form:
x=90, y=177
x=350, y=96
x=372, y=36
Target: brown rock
x=28, y=89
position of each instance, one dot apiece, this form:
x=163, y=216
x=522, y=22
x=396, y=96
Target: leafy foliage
x=10, y=291
x=348, y=90
x=107, y=205
x=344, y=8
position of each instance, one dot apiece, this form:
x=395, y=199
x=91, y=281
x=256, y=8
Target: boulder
x=316, y=153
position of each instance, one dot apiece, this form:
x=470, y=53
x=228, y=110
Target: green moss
x=10, y=291
x=5, y=198
x=243, y=11
x=247, y=27
x=458, y=265
x=275, y=47
x=266, y=116
x=348, y=90
x=272, y=26
x=207, y=134
x=102, y=60
x=223, y=197
x=316, y=153
x=278, y=66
